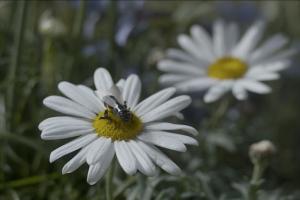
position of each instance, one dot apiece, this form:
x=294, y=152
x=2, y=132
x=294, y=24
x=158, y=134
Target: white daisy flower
x=100, y=136
x=225, y=62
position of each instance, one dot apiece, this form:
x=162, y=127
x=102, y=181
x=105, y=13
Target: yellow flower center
x=227, y=68
x=115, y=128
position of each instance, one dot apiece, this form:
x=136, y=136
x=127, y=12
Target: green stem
x=109, y=182
x=77, y=28
x=124, y=186
x=76, y=32
x=220, y=111
x=115, y=71
x=15, y=58
x=29, y=181
x=255, y=180
x=206, y=188
x=9, y=137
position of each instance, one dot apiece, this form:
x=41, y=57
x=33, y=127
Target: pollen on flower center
x=115, y=128
x=227, y=68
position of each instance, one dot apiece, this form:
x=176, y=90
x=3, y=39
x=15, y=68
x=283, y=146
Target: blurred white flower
x=224, y=62
x=100, y=138
x=51, y=26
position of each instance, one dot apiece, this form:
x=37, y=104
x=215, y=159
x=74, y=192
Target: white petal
x=160, y=159
x=97, y=171
x=204, y=42
x=169, y=126
x=102, y=79
x=277, y=66
x=121, y=84
x=268, y=48
x=189, y=45
x=281, y=56
x=67, y=106
x=132, y=90
x=232, y=36
x=98, y=149
x=125, y=157
x=255, y=86
x=179, y=55
x=76, y=161
x=167, y=135
x=179, y=67
x=62, y=121
x=178, y=115
x=249, y=40
x=166, y=109
x=153, y=101
x=239, y=91
x=170, y=79
x=62, y=133
x=216, y=91
x=163, y=141
x=218, y=38
x=91, y=95
x=112, y=91
x=72, y=146
x=145, y=164
x=261, y=74
x=196, y=84
x=76, y=94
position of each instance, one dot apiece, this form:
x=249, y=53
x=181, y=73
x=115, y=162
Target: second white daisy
x=225, y=62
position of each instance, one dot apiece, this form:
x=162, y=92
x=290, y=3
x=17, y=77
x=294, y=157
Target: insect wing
x=109, y=100
x=115, y=91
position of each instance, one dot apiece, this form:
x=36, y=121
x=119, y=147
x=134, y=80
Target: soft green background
x=32, y=63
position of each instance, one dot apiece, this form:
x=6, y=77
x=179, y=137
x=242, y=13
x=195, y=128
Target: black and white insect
x=121, y=110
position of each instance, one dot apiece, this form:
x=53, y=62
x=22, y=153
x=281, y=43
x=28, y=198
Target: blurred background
x=44, y=42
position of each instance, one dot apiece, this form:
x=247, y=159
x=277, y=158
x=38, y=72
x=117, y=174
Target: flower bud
x=261, y=151
x=51, y=26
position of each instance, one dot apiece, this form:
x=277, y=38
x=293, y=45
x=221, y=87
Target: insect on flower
x=110, y=102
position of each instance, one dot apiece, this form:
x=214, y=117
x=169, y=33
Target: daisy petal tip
x=171, y=90
x=43, y=136
x=62, y=84
x=46, y=100
x=52, y=158
x=91, y=182
x=194, y=131
x=187, y=99
x=176, y=171
x=101, y=70
x=90, y=160
x=195, y=143
x=65, y=170
x=40, y=126
x=208, y=99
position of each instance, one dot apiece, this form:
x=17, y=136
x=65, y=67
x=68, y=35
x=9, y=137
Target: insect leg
x=106, y=116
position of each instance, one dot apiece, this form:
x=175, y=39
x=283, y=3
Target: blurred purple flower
x=243, y=11
x=128, y=18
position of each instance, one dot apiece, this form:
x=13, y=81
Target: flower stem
x=77, y=28
x=220, y=111
x=255, y=180
x=15, y=58
x=76, y=32
x=28, y=181
x=109, y=182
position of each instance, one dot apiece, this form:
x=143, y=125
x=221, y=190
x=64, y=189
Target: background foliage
x=130, y=37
